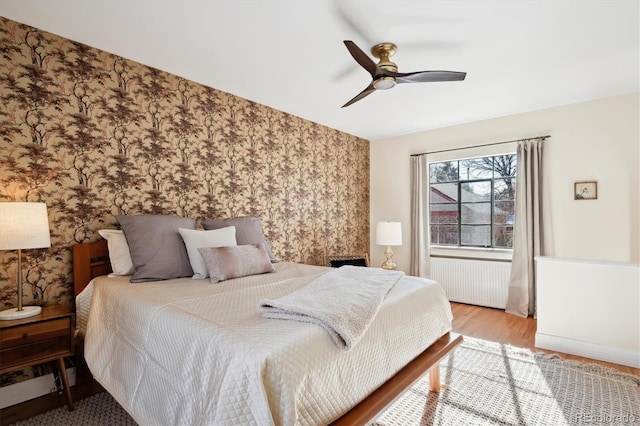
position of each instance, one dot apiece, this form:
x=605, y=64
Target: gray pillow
x=248, y=231
x=229, y=262
x=157, y=250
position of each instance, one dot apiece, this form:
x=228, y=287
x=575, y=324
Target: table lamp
x=389, y=234
x=23, y=226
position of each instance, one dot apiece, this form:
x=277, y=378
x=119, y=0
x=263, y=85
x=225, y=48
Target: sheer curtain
x=419, y=217
x=529, y=238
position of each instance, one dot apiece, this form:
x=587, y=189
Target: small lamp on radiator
x=389, y=234
x=23, y=226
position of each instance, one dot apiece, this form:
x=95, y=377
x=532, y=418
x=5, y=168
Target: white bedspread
x=186, y=352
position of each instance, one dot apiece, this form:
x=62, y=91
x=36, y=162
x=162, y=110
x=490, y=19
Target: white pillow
x=119, y=255
x=195, y=239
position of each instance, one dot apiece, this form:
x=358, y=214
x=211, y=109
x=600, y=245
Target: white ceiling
x=519, y=55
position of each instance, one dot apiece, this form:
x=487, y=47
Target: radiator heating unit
x=475, y=282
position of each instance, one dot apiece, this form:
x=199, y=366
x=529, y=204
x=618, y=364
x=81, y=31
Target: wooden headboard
x=89, y=261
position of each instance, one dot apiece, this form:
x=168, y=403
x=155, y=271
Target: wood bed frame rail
x=385, y=395
x=92, y=259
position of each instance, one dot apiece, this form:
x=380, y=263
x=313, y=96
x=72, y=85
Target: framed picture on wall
x=587, y=190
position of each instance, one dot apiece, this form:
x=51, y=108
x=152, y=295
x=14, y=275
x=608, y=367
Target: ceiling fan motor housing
x=382, y=51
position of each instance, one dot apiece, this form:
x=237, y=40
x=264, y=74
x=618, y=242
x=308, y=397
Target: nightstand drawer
x=43, y=349
x=26, y=334
x=37, y=339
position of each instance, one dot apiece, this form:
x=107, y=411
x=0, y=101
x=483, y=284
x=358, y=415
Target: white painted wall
x=597, y=140
x=589, y=308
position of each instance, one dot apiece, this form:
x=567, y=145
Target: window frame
x=492, y=200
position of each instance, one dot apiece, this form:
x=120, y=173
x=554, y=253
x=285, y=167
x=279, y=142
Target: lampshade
x=389, y=234
x=23, y=226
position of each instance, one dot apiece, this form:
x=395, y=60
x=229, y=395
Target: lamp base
x=14, y=313
x=389, y=263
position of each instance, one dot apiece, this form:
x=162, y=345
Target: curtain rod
x=479, y=146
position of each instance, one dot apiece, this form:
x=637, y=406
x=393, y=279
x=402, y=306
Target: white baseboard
x=589, y=350
x=33, y=388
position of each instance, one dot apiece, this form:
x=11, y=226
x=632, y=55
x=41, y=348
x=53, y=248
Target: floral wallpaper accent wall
x=94, y=135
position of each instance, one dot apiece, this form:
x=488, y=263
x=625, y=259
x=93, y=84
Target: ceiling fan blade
x=361, y=30
x=366, y=92
x=365, y=61
x=426, y=76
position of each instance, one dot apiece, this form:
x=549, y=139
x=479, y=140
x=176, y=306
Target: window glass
x=477, y=236
x=503, y=213
x=444, y=234
x=504, y=189
x=476, y=213
x=476, y=168
x=505, y=165
x=444, y=213
x=443, y=172
x=503, y=236
x=444, y=193
x=475, y=192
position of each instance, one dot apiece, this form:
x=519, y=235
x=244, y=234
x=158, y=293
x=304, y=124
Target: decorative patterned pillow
x=157, y=250
x=248, y=231
x=119, y=256
x=225, y=263
x=194, y=239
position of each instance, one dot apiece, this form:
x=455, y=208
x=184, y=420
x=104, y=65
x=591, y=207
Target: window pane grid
x=477, y=209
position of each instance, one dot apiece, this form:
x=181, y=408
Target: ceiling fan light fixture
x=384, y=83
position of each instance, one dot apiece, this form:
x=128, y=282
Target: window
x=471, y=202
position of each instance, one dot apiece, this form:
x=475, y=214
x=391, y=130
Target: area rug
x=486, y=383
x=483, y=383
x=97, y=410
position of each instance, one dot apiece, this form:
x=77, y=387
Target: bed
x=185, y=352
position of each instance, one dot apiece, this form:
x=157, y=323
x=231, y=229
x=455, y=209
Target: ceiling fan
x=385, y=73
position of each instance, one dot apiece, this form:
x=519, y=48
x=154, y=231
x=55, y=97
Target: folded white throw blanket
x=343, y=301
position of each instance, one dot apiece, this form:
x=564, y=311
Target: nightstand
x=39, y=339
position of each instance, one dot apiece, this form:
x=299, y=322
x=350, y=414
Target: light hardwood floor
x=498, y=326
